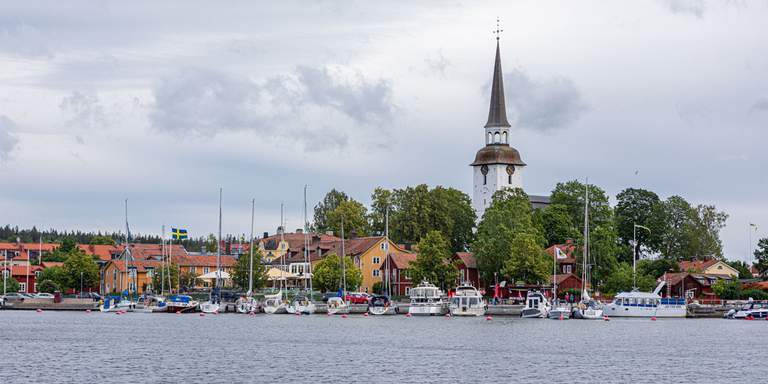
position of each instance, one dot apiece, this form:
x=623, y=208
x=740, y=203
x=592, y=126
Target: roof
x=563, y=277
x=402, y=260
x=497, y=112
x=498, y=154
x=21, y=270
x=203, y=260
x=48, y=264
x=359, y=245
x=467, y=258
x=140, y=265
x=104, y=252
x=704, y=279
x=155, y=251
x=697, y=264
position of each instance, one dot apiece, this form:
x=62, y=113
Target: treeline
x=11, y=234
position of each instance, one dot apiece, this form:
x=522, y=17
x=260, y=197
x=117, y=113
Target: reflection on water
x=107, y=348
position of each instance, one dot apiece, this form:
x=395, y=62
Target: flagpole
x=162, y=264
x=250, y=275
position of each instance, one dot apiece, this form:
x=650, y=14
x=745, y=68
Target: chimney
x=299, y=230
x=266, y=234
x=353, y=234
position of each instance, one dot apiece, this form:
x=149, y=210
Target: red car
x=358, y=298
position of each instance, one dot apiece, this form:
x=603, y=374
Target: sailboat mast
x=307, y=262
x=218, y=248
x=585, y=253
x=127, y=249
x=162, y=263
x=250, y=264
x=343, y=264
x=386, y=256
x=282, y=257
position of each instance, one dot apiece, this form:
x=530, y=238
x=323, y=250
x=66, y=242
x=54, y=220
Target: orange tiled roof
x=468, y=258
x=402, y=260
x=699, y=265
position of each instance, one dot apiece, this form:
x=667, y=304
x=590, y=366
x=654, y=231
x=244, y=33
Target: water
x=68, y=347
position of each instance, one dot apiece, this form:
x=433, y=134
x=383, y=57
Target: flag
x=643, y=227
x=179, y=234
x=753, y=225
x=560, y=254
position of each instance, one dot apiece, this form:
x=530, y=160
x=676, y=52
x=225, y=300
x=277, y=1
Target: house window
x=376, y=260
x=407, y=290
x=22, y=287
x=37, y=273
x=568, y=268
x=205, y=270
x=384, y=246
x=376, y=272
x=193, y=269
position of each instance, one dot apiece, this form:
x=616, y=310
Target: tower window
x=509, y=179
x=510, y=172
x=504, y=137
x=490, y=138
x=496, y=137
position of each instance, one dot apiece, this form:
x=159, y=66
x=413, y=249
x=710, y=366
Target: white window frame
x=377, y=260
x=22, y=287
x=205, y=270
x=376, y=272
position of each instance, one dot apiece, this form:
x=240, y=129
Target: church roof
x=498, y=154
x=497, y=113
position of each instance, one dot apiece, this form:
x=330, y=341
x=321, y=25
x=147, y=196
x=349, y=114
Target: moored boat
x=301, y=305
x=181, y=303
x=274, y=304
x=752, y=309
x=645, y=304
x=560, y=311
x=536, y=305
x=117, y=304
x=426, y=299
x=336, y=305
x=467, y=301
x=381, y=305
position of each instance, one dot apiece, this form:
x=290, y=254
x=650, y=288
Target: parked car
x=358, y=298
x=12, y=297
x=27, y=295
x=44, y=295
x=89, y=295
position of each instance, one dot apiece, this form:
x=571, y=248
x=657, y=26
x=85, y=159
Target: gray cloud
x=542, y=105
x=438, y=63
x=760, y=106
x=22, y=39
x=687, y=7
x=84, y=110
x=8, y=141
x=206, y=102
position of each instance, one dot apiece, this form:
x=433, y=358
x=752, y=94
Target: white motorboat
x=426, y=299
x=588, y=310
x=536, y=305
x=645, y=304
x=153, y=304
x=274, y=304
x=301, y=305
x=752, y=309
x=381, y=305
x=467, y=302
x=210, y=307
x=181, y=303
x=336, y=305
x=117, y=304
x=560, y=311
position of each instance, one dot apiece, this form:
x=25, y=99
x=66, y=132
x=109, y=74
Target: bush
x=48, y=286
x=756, y=294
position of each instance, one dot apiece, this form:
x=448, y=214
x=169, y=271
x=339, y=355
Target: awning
x=212, y=275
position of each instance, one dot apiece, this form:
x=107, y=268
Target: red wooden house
x=398, y=264
x=468, y=271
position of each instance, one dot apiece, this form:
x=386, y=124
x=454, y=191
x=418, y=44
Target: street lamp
x=81, y=283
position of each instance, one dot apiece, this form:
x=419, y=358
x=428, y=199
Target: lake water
x=75, y=347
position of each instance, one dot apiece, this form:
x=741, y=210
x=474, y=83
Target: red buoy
x=202, y=314
x=561, y=316
x=365, y=314
x=178, y=312
x=87, y=311
x=488, y=318
x=408, y=315
x=653, y=318
x=606, y=318
x=344, y=316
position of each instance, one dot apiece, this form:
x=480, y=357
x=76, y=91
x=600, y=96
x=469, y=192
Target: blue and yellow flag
x=179, y=234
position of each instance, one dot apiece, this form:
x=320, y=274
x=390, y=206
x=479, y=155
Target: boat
x=248, y=304
x=152, y=304
x=560, y=311
x=426, y=299
x=467, y=301
x=301, y=305
x=645, y=304
x=117, y=304
x=336, y=305
x=181, y=303
x=381, y=305
x=536, y=305
x=751, y=310
x=213, y=305
x=274, y=304
x=587, y=308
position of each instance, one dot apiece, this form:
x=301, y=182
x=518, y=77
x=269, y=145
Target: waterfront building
x=19, y=253
x=22, y=275
x=692, y=285
x=710, y=266
x=397, y=267
x=369, y=254
x=566, y=262
x=468, y=272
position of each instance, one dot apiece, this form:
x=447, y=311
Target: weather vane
x=498, y=30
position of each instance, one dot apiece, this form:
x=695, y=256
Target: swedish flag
x=179, y=234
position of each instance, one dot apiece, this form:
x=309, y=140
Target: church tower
x=497, y=165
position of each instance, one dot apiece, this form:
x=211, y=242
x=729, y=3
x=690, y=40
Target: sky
x=163, y=103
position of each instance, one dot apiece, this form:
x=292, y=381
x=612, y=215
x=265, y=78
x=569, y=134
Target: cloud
x=437, y=64
x=687, y=7
x=84, y=110
x=542, y=105
x=22, y=39
x=206, y=102
x=760, y=106
x=8, y=141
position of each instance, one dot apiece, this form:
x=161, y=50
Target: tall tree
x=452, y=214
x=556, y=224
x=80, y=270
x=411, y=219
x=329, y=204
x=641, y=207
x=434, y=262
x=603, y=249
x=508, y=216
x=354, y=216
x=677, y=215
x=381, y=202
x=621, y=281
x=326, y=275
x=164, y=272
x=55, y=279
x=705, y=241
x=761, y=254
x=242, y=271
x=529, y=263
x=571, y=195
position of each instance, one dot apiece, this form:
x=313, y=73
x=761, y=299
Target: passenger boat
x=752, y=309
x=426, y=299
x=181, y=303
x=467, y=301
x=536, y=305
x=645, y=304
x=301, y=305
x=274, y=304
x=336, y=305
x=381, y=305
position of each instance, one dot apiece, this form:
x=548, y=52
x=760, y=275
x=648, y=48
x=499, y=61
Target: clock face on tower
x=510, y=170
x=484, y=169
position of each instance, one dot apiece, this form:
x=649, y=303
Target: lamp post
x=81, y=283
x=634, y=253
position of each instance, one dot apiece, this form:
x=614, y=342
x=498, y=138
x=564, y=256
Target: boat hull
x=275, y=309
x=532, y=313
x=209, y=307
x=427, y=310
x=560, y=313
x=467, y=311
x=613, y=310
x=382, y=311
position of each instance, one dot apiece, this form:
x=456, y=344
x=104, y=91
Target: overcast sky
x=164, y=103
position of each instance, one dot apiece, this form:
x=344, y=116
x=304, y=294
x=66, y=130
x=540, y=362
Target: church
x=498, y=165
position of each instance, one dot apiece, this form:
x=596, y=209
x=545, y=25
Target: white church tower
x=497, y=165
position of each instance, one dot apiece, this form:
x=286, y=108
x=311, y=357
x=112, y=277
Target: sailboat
x=381, y=304
x=275, y=303
x=248, y=304
x=559, y=310
x=302, y=304
x=339, y=304
x=214, y=301
x=587, y=309
x=124, y=302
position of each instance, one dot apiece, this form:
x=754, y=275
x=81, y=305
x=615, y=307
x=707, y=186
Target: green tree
x=102, y=240
x=657, y=268
x=556, y=223
x=211, y=243
x=188, y=280
x=242, y=271
x=329, y=204
x=326, y=275
x=354, y=216
x=706, y=226
x=603, y=249
x=641, y=207
x=727, y=289
x=675, y=238
x=381, y=202
x=11, y=285
x=508, y=216
x=48, y=286
x=55, y=276
x=62, y=252
x=761, y=254
x=411, y=218
x=80, y=268
x=529, y=263
x=453, y=215
x=571, y=195
x=741, y=267
x=621, y=280
x=434, y=262
x=164, y=272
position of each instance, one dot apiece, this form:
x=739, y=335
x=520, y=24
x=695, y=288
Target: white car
x=44, y=295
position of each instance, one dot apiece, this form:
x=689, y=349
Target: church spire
x=497, y=114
